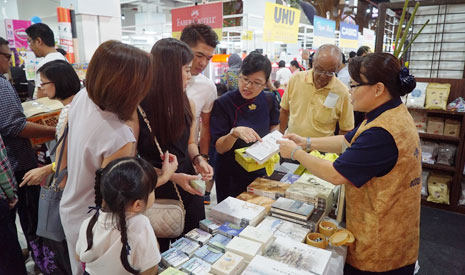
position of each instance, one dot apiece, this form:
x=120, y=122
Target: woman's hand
x=286, y=147
x=247, y=134
x=202, y=167
x=301, y=141
x=36, y=176
x=183, y=180
x=169, y=166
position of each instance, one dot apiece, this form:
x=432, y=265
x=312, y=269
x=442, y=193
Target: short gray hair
x=332, y=49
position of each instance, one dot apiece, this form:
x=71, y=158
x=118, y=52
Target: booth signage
x=65, y=34
x=323, y=31
x=281, y=23
x=369, y=38
x=348, y=36
x=209, y=14
x=17, y=38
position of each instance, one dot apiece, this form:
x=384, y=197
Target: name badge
x=331, y=100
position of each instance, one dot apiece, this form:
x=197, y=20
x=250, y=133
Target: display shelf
x=439, y=137
x=440, y=167
x=445, y=112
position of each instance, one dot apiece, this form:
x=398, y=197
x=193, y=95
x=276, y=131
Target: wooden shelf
x=439, y=137
x=440, y=167
x=437, y=111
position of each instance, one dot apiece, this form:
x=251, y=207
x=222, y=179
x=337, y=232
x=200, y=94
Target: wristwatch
x=232, y=132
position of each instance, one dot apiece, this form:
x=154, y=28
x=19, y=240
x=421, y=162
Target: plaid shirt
x=12, y=121
x=7, y=179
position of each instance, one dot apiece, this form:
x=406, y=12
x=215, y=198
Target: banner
x=323, y=31
x=369, y=38
x=348, y=36
x=209, y=14
x=281, y=23
x=16, y=36
x=65, y=34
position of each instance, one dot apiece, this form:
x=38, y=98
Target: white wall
x=8, y=10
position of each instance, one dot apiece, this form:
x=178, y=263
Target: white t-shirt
x=104, y=256
x=49, y=57
x=283, y=75
x=201, y=91
x=344, y=76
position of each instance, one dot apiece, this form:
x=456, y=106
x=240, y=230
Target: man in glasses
x=16, y=131
x=42, y=42
x=315, y=101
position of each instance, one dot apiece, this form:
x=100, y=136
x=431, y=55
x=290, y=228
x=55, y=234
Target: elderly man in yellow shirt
x=315, y=101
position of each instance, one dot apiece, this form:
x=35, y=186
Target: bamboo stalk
x=406, y=31
x=399, y=29
x=415, y=37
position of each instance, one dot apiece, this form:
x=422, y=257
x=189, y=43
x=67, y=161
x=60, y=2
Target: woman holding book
x=379, y=165
x=239, y=119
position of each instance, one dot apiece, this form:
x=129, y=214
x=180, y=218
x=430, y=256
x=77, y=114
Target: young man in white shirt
x=202, y=91
x=283, y=74
x=42, y=42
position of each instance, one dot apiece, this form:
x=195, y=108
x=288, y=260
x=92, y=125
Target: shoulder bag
x=49, y=223
x=166, y=215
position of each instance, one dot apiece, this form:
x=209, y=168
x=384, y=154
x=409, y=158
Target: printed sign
x=65, y=34
x=16, y=36
x=323, y=31
x=348, y=36
x=209, y=14
x=281, y=23
x=369, y=38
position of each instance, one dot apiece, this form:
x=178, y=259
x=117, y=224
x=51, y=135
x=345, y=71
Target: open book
x=41, y=105
x=262, y=151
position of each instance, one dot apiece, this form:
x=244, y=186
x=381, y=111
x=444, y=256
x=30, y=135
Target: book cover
x=244, y=247
x=185, y=245
x=228, y=264
x=209, y=225
x=198, y=235
x=285, y=229
x=276, y=176
x=289, y=178
x=196, y=266
x=262, y=151
x=292, y=208
x=258, y=235
x=229, y=229
x=172, y=271
x=263, y=266
x=219, y=242
x=313, y=190
x=256, y=199
x=174, y=257
x=208, y=254
x=268, y=188
x=298, y=255
x=238, y=212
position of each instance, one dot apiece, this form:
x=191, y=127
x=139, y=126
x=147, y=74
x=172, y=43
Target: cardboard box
x=452, y=128
x=435, y=125
x=42, y=111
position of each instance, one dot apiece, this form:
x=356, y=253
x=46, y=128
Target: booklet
x=262, y=151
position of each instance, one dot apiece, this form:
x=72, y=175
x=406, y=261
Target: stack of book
x=219, y=242
x=284, y=208
x=257, y=235
x=245, y=248
x=171, y=271
x=196, y=266
x=230, y=230
x=209, y=225
x=198, y=235
x=256, y=199
x=185, y=245
x=268, y=188
x=228, y=264
x=238, y=212
x=174, y=258
x=208, y=254
x=284, y=229
x=261, y=265
x=300, y=256
x=311, y=189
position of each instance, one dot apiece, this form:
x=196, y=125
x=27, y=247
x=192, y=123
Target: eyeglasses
x=29, y=41
x=7, y=55
x=352, y=86
x=246, y=82
x=323, y=72
x=44, y=83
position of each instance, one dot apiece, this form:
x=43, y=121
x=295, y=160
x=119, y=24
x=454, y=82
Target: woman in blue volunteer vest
x=240, y=118
x=380, y=166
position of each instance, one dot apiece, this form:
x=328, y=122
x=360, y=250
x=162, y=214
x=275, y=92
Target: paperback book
x=257, y=235
x=208, y=254
x=229, y=230
x=209, y=225
x=289, y=178
x=196, y=266
x=285, y=229
x=262, y=151
x=185, y=245
x=293, y=208
x=238, y=212
x=174, y=258
x=311, y=224
x=256, y=199
x=172, y=271
x=268, y=188
x=245, y=248
x=228, y=264
x=298, y=255
x=264, y=266
x=219, y=242
x=198, y=235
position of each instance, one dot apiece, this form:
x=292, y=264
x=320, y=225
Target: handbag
x=166, y=216
x=49, y=223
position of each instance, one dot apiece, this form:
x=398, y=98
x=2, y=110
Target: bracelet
x=295, y=150
x=307, y=145
x=199, y=155
x=54, y=167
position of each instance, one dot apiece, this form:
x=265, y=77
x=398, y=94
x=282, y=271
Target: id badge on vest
x=331, y=100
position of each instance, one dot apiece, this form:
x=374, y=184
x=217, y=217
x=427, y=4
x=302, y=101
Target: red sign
x=209, y=14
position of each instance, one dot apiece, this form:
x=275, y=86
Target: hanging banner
x=209, y=14
x=348, y=36
x=17, y=38
x=65, y=34
x=281, y=23
x=369, y=38
x=323, y=31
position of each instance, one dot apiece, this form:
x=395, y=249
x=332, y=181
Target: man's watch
x=232, y=132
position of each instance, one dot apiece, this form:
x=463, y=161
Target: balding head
x=330, y=53
x=326, y=62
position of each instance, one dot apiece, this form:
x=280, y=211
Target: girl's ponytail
x=125, y=250
x=98, y=205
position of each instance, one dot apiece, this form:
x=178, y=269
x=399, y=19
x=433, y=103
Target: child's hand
x=170, y=164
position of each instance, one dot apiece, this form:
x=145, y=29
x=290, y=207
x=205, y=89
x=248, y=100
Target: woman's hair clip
x=405, y=77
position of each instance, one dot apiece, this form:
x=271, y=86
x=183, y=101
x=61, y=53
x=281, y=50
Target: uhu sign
x=281, y=23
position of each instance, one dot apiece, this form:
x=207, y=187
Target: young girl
x=123, y=190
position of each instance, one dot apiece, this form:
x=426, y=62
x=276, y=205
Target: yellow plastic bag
x=250, y=165
x=437, y=95
x=328, y=156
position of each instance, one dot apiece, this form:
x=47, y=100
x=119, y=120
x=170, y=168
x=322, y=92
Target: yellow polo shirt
x=311, y=114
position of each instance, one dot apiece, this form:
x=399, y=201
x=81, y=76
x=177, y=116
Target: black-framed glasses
x=246, y=82
x=44, y=83
x=7, y=55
